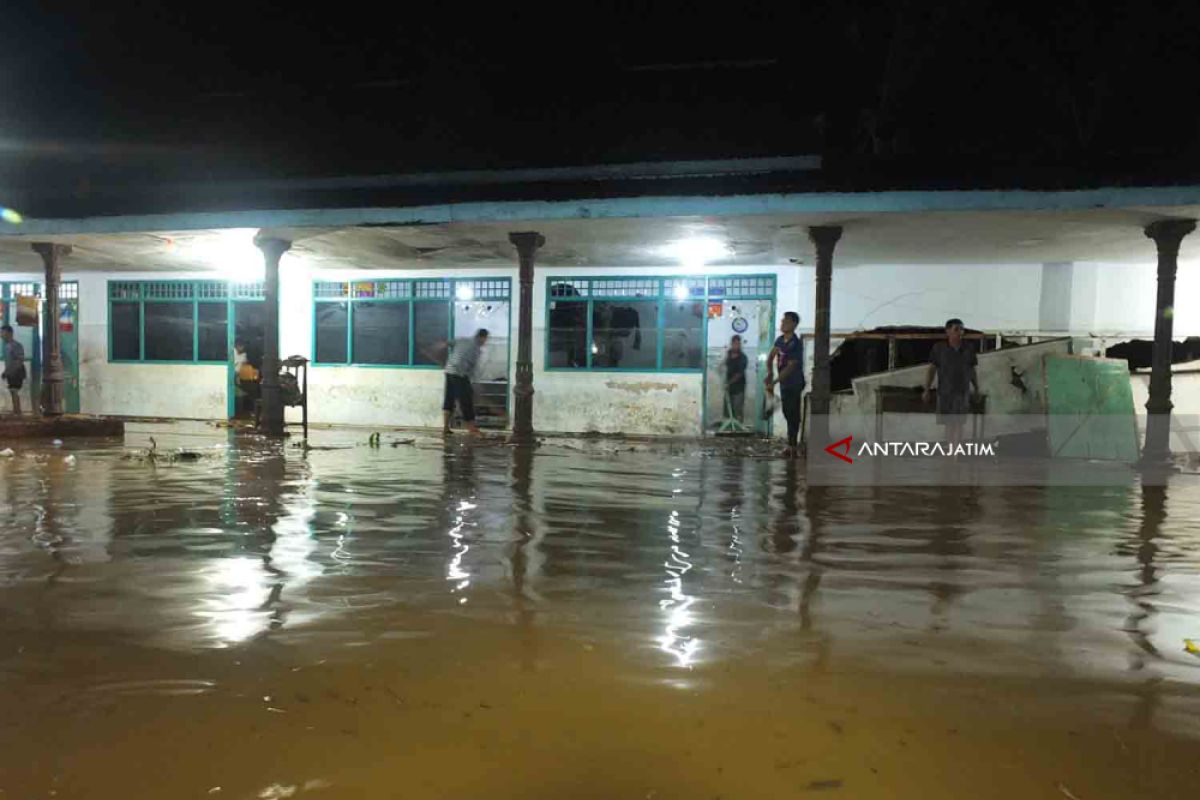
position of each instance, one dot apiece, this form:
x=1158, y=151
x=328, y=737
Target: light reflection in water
x=456, y=572
x=238, y=590
x=678, y=604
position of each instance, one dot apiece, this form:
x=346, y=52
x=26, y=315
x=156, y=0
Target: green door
x=68, y=332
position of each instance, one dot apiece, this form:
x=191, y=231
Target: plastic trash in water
x=7, y=453
x=57, y=443
x=1189, y=645
x=69, y=461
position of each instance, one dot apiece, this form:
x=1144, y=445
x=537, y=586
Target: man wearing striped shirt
x=460, y=370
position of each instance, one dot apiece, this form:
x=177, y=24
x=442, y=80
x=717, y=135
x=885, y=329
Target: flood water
x=476, y=621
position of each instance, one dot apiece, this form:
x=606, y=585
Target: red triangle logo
x=844, y=446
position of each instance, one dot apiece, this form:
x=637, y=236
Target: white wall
x=634, y=403
x=144, y=390
x=1105, y=298
x=381, y=396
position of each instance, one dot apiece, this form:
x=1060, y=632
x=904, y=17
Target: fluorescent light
x=681, y=291
x=697, y=251
x=233, y=254
x=465, y=292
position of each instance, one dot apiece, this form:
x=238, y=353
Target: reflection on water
x=459, y=620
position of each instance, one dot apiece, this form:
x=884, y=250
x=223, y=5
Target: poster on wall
x=66, y=320
x=27, y=311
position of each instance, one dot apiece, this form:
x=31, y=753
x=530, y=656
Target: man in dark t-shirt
x=735, y=378
x=787, y=356
x=952, y=362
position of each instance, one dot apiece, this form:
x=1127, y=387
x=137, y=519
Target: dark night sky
x=348, y=87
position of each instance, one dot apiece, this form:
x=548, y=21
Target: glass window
x=683, y=329
x=625, y=334
x=169, y=330
x=332, y=321
x=380, y=333
x=567, y=338
x=125, y=322
x=431, y=332
x=213, y=335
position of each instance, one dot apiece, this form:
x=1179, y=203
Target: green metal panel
x=1091, y=413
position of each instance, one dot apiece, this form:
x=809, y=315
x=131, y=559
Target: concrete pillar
x=527, y=244
x=825, y=238
x=1054, y=307
x=1167, y=235
x=52, y=370
x=271, y=421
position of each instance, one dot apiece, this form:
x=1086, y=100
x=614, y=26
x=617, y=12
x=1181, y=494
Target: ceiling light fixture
x=697, y=251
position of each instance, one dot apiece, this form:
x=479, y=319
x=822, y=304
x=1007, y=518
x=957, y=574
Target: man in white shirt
x=460, y=370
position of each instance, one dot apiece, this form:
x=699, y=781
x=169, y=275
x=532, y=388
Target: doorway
x=68, y=335
x=29, y=336
x=247, y=326
x=753, y=322
x=491, y=375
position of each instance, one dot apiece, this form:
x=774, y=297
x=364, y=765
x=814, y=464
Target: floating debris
x=1067, y=792
x=821, y=786
x=1189, y=645
x=7, y=453
x=69, y=461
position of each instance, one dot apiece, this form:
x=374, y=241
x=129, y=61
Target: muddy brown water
x=474, y=621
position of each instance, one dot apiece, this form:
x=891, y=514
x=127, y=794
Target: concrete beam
x=840, y=203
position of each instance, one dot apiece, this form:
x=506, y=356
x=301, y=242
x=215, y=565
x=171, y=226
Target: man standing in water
x=788, y=356
x=460, y=370
x=14, y=366
x=953, y=363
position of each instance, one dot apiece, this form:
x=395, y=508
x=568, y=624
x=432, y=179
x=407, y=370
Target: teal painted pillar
x=271, y=421
x=1167, y=235
x=53, y=375
x=527, y=245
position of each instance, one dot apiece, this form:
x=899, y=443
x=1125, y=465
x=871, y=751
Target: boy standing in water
x=788, y=356
x=735, y=378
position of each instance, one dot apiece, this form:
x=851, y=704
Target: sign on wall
x=27, y=311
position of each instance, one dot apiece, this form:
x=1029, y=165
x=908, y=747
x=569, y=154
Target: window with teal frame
x=638, y=323
x=394, y=322
x=173, y=321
